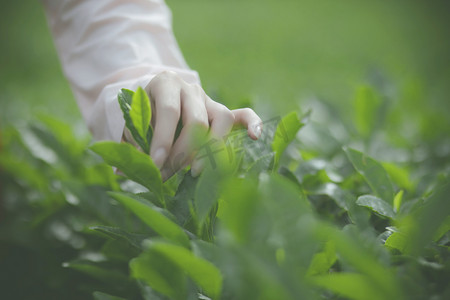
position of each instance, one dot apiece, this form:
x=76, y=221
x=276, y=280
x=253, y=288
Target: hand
x=173, y=99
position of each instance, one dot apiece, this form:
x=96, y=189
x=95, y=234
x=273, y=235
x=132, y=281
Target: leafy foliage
x=280, y=218
x=137, y=114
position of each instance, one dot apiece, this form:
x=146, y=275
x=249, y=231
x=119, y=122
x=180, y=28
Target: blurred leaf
x=204, y=273
x=136, y=165
x=373, y=173
x=397, y=240
x=148, y=293
x=64, y=133
x=286, y=130
x=207, y=192
x=366, y=110
x=288, y=208
x=353, y=251
x=262, y=164
x=118, y=233
x=103, y=296
x=101, y=174
x=160, y=273
x=443, y=229
x=322, y=261
x=119, y=251
x=343, y=198
x=42, y=145
x=108, y=276
x=180, y=205
x=23, y=170
x=398, y=201
x=154, y=217
x=399, y=175
x=310, y=167
x=240, y=205
x=318, y=140
x=140, y=114
x=377, y=205
x=350, y=285
x=424, y=224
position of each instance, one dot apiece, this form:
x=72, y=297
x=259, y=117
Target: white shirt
x=106, y=45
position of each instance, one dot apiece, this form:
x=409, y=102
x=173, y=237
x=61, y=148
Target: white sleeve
x=106, y=45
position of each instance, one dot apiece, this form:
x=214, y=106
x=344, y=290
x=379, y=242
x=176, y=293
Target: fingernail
x=257, y=131
x=196, y=168
x=159, y=157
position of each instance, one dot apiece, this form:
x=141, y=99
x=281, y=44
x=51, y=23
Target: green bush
x=316, y=209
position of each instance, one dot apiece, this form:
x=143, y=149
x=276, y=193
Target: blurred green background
x=279, y=53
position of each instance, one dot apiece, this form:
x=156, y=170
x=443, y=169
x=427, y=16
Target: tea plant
x=299, y=214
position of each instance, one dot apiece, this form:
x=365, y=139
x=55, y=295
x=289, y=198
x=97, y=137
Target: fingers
x=220, y=117
x=250, y=120
x=221, y=122
x=172, y=99
x=195, y=121
x=164, y=92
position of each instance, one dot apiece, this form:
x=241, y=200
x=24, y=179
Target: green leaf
x=140, y=113
x=108, y=276
x=64, y=133
x=353, y=251
x=426, y=222
x=19, y=168
x=399, y=176
x=136, y=165
x=351, y=285
x=374, y=174
x=119, y=251
x=323, y=261
x=377, y=205
x=180, y=205
x=286, y=130
x=118, y=233
x=102, y=296
x=398, y=201
x=262, y=164
x=160, y=273
x=102, y=175
x=443, y=229
x=206, y=193
x=204, y=273
x=343, y=198
x=346, y=200
x=397, y=240
x=154, y=217
x=125, y=98
x=366, y=110
x=239, y=207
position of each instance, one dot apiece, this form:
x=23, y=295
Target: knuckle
x=226, y=113
x=167, y=74
x=199, y=121
x=195, y=89
x=248, y=111
x=165, y=78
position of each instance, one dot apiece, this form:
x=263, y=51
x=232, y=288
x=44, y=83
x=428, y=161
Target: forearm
x=106, y=45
